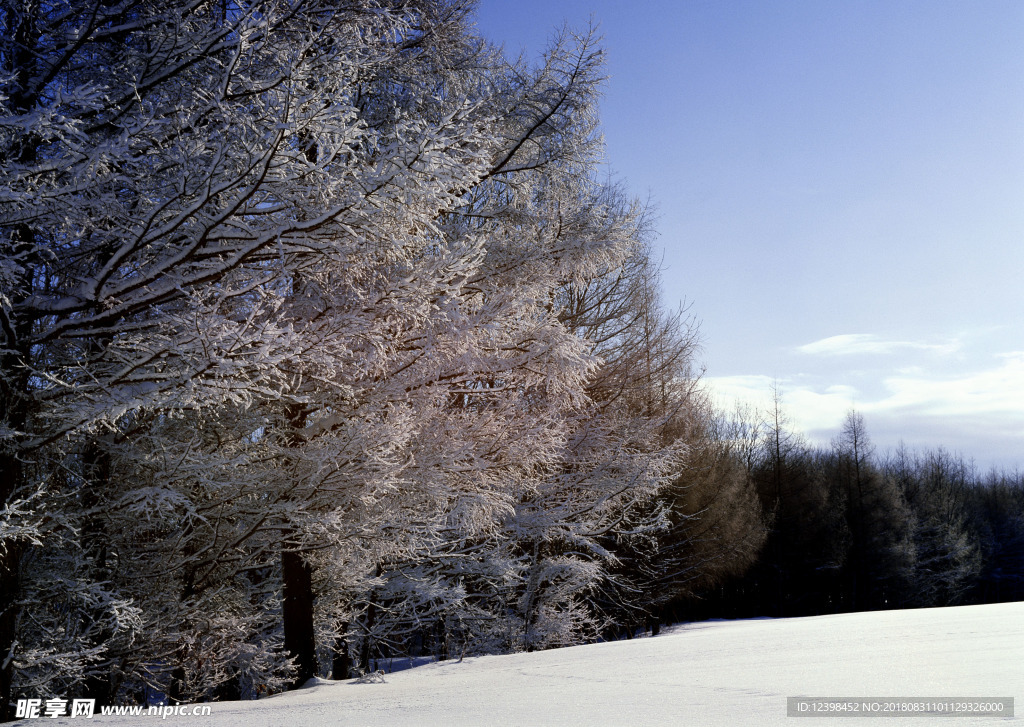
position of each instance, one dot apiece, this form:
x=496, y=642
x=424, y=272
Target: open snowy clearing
x=708, y=673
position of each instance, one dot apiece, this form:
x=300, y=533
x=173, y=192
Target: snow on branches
x=283, y=306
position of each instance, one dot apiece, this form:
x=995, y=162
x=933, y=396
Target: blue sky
x=840, y=194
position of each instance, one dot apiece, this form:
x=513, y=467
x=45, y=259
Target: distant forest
x=847, y=530
x=324, y=338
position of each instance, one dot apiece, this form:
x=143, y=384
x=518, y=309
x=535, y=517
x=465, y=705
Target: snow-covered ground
x=709, y=673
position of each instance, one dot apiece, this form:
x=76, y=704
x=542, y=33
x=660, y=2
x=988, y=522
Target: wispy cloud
x=985, y=404
x=810, y=406
x=998, y=390
x=867, y=343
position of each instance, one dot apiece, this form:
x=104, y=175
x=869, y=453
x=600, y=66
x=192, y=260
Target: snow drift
x=707, y=673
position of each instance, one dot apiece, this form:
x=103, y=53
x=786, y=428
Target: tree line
x=324, y=340
x=851, y=530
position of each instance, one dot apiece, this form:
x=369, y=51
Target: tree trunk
x=15, y=348
x=297, y=616
x=341, y=663
x=14, y=415
x=371, y=618
x=96, y=472
x=176, y=690
x=297, y=580
x=10, y=583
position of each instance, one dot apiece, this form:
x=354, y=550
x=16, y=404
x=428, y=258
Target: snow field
x=709, y=673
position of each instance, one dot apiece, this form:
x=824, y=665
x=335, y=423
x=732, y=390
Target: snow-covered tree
x=283, y=304
x=946, y=554
x=516, y=439
x=161, y=205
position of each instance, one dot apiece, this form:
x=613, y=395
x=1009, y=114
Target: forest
x=325, y=340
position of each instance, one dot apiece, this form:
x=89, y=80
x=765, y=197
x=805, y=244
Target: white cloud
x=995, y=391
x=868, y=343
x=965, y=411
x=753, y=388
x=810, y=407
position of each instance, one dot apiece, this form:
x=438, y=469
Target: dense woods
x=850, y=529
x=325, y=341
